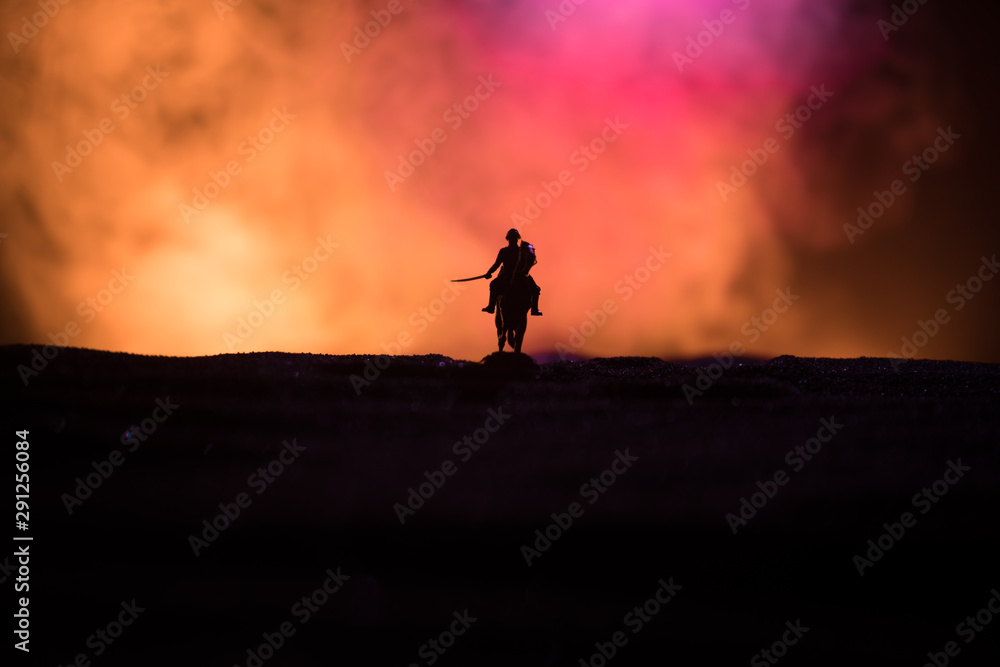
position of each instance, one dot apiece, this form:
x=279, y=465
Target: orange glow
x=263, y=101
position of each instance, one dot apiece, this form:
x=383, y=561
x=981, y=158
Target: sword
x=465, y=280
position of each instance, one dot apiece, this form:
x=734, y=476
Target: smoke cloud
x=308, y=176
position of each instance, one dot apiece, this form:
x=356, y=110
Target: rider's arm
x=496, y=264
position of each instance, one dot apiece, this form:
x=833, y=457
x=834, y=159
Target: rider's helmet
x=513, y=233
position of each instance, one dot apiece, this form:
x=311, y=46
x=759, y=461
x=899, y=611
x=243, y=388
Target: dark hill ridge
x=858, y=377
x=366, y=442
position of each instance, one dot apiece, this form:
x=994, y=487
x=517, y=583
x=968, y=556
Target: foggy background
x=227, y=73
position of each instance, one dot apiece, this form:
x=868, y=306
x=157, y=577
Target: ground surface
x=364, y=445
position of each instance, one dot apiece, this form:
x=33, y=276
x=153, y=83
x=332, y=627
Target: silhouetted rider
x=506, y=259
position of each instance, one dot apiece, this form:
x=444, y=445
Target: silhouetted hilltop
x=547, y=499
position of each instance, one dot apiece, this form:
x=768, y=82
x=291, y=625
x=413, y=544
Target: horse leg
x=501, y=334
x=520, y=336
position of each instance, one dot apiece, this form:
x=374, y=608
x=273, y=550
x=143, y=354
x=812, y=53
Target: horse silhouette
x=515, y=301
x=512, y=313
